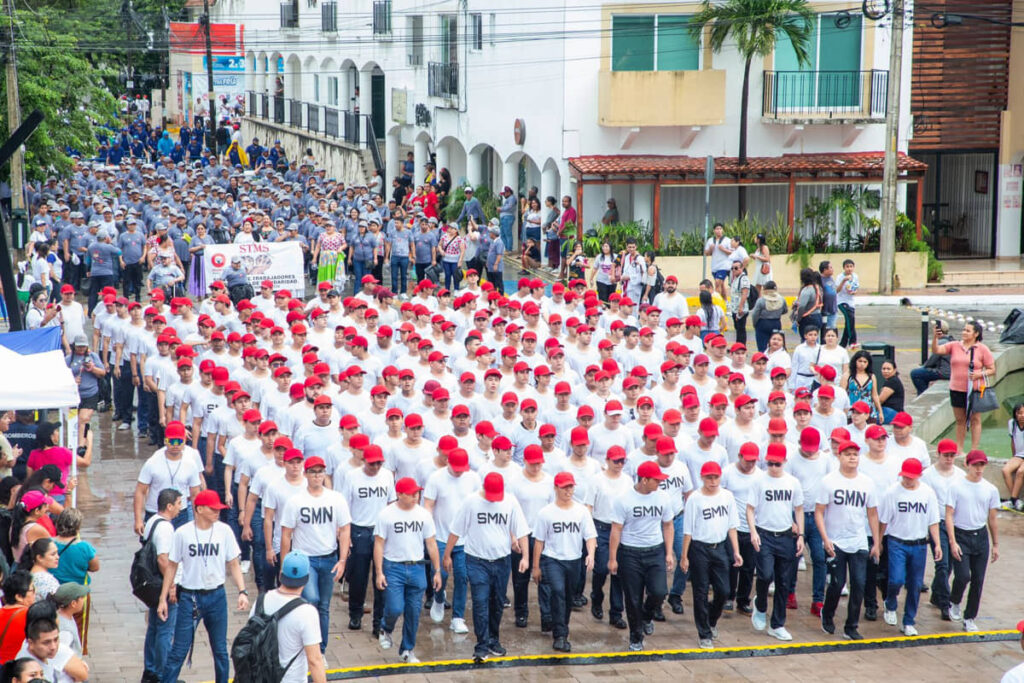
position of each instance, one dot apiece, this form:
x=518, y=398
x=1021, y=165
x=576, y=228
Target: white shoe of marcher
x=385, y=640
x=437, y=612
x=845, y=591
x=802, y=565
x=781, y=633
x=909, y=630
x=890, y=617
x=459, y=626
x=759, y=620
x=409, y=658
x=246, y=566
x=970, y=626
x=954, y=612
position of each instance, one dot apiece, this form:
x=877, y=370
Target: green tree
x=56, y=77
x=754, y=26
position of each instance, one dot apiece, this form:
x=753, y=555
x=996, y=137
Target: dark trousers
x=969, y=570
x=642, y=573
x=922, y=377
x=521, y=587
x=856, y=565
x=259, y=547
x=73, y=274
x=421, y=271
x=740, y=324
x=558, y=577
x=940, y=582
x=876, y=576
x=96, y=284
x=709, y=567
x=849, y=324
x=497, y=278
x=124, y=394
x=775, y=562
x=763, y=330
x=359, y=569
x=131, y=280
x=615, y=605
x=741, y=579
x=488, y=581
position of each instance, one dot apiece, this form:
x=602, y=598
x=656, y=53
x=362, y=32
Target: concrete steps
x=979, y=278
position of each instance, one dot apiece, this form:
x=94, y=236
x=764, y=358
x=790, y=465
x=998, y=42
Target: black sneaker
x=746, y=609
x=729, y=606
x=579, y=601
x=480, y=657
x=871, y=614
x=944, y=614
x=497, y=650
x=659, y=615
x=545, y=626
x=828, y=625
x=521, y=621
x=562, y=645
x=648, y=628
x=597, y=612
x=619, y=623
x=851, y=633
x=355, y=623
x=676, y=603
x=506, y=603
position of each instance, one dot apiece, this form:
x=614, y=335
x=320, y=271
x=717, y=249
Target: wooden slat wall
x=960, y=76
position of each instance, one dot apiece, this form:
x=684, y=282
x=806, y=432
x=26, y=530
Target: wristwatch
x=244, y=592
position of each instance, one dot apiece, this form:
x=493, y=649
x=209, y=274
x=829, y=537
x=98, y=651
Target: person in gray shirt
x=103, y=257
x=165, y=275
x=133, y=253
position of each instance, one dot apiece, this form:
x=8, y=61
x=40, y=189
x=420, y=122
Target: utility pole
x=212, y=140
x=14, y=118
x=887, y=247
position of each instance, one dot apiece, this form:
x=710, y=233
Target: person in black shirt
x=891, y=392
x=22, y=433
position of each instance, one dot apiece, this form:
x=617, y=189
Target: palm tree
x=754, y=25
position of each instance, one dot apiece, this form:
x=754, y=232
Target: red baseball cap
x=650, y=470
x=494, y=487
x=209, y=499
x=810, y=439
x=711, y=469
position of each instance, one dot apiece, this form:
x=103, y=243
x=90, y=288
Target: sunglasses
x=774, y=464
x=175, y=442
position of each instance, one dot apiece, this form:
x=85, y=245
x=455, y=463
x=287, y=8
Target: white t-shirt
x=908, y=513
x=203, y=554
x=564, y=531
x=404, y=460
x=709, y=518
x=298, y=629
x=603, y=492
x=917, y=448
x=533, y=495
x=159, y=473
x=404, y=532
x=277, y=494
x=695, y=457
x=846, y=502
x=1014, y=675
x=448, y=493
x=809, y=472
x=315, y=520
x=367, y=496
x=971, y=502
x=488, y=528
x=775, y=500
x=741, y=486
x=940, y=484
x=240, y=452
x=676, y=486
x=641, y=516
x=53, y=669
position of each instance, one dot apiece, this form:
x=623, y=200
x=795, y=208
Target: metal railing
x=264, y=106
x=382, y=17
x=289, y=15
x=253, y=104
x=329, y=17
x=443, y=79
x=331, y=122
x=341, y=124
x=371, y=143
x=825, y=94
x=295, y=113
x=313, y=117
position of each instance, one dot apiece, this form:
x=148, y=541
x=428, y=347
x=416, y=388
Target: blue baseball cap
x=295, y=569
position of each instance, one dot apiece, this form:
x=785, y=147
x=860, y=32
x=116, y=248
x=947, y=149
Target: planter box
x=911, y=269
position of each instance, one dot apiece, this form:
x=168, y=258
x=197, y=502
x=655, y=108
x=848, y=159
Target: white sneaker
x=714, y=632
x=909, y=630
x=781, y=633
x=705, y=644
x=459, y=626
x=771, y=588
x=759, y=620
x=954, y=612
x=246, y=566
x=845, y=591
x=437, y=612
x=802, y=564
x=385, y=640
x=124, y=427
x=409, y=658
x=890, y=617
x=970, y=626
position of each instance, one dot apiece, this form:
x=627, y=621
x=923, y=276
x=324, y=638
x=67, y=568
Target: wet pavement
x=117, y=627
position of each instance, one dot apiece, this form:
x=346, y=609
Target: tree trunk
x=741, y=190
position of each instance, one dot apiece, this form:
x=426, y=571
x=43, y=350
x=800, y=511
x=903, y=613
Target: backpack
x=145, y=576
x=752, y=296
x=659, y=285
x=5, y=537
x=255, y=651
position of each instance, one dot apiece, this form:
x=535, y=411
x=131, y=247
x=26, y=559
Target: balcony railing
x=295, y=113
x=329, y=17
x=443, y=79
x=289, y=15
x=278, y=108
x=382, y=17
x=840, y=95
x=313, y=117
x=341, y=124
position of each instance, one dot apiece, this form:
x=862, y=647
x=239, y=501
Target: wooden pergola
x=791, y=169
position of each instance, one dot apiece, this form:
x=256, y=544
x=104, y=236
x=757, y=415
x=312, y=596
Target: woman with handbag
x=971, y=364
x=762, y=256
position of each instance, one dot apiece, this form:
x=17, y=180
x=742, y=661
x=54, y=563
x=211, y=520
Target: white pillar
x=509, y=176
x=1008, y=216
x=260, y=84
x=393, y=170
x=420, y=156
x=549, y=184
x=473, y=168
x=443, y=158
x=365, y=92
x=344, y=91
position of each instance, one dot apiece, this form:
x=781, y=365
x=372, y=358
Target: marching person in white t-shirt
x=845, y=500
x=175, y=467
x=317, y=522
x=206, y=550
x=402, y=530
x=909, y=515
x=775, y=514
x=159, y=631
x=606, y=487
x=563, y=528
x=940, y=477
x=298, y=630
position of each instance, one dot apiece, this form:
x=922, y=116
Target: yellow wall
x=661, y=98
x=1012, y=136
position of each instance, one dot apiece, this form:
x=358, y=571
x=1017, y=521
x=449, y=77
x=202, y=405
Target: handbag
x=982, y=399
x=766, y=268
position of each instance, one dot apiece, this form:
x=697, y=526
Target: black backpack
x=752, y=295
x=658, y=287
x=255, y=651
x=145, y=576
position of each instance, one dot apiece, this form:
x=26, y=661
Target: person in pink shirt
x=971, y=366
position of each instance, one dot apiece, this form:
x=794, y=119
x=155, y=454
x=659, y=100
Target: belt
x=367, y=528
x=702, y=544
x=405, y=562
x=641, y=549
x=483, y=559
x=603, y=526
x=916, y=541
x=775, y=534
x=970, y=532
x=201, y=591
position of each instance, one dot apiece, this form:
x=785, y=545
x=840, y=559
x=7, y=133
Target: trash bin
x=880, y=352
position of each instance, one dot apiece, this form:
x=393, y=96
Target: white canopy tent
x=36, y=381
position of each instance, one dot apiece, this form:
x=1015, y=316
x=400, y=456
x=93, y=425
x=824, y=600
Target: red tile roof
x=863, y=163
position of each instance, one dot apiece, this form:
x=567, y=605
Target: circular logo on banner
x=218, y=260
x=519, y=131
